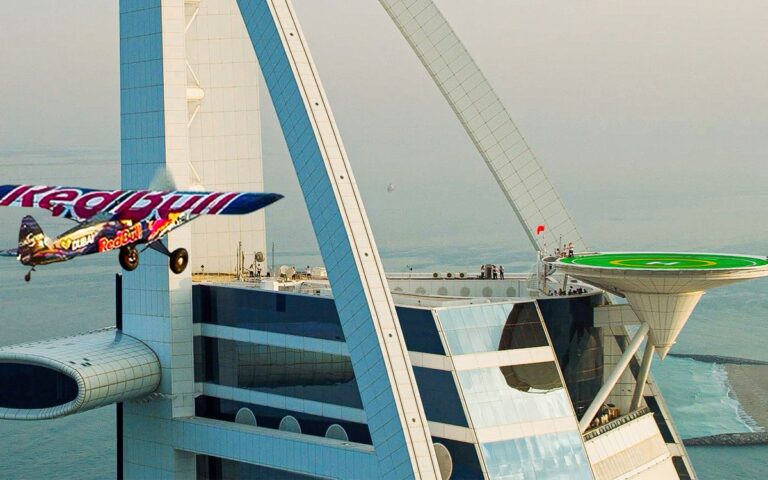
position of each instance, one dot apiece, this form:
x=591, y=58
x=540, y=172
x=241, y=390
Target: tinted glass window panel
x=514, y=394
x=577, y=343
x=278, y=312
x=322, y=377
x=489, y=328
x=420, y=331
x=559, y=456
x=269, y=417
x=440, y=396
x=33, y=386
x=466, y=464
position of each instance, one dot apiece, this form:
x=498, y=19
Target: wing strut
x=159, y=247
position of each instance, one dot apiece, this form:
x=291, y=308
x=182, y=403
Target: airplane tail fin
x=162, y=181
x=31, y=238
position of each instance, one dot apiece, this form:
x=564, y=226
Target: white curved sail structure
x=505, y=151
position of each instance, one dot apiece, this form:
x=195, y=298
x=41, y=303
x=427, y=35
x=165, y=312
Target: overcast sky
x=650, y=117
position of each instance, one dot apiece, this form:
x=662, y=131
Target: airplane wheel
x=179, y=260
x=28, y=276
x=129, y=258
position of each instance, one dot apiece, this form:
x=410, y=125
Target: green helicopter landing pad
x=665, y=261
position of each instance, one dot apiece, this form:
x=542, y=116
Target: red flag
x=539, y=229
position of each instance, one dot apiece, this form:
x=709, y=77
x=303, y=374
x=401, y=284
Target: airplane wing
x=11, y=252
x=83, y=204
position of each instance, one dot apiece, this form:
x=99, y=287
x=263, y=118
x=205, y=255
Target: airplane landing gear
x=178, y=260
x=28, y=275
x=129, y=258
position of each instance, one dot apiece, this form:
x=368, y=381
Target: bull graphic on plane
x=116, y=220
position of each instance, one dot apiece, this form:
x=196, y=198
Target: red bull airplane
x=116, y=220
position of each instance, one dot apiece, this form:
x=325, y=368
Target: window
x=25, y=386
x=488, y=328
x=440, y=396
x=279, y=312
x=322, y=377
x=514, y=394
x=419, y=330
x=555, y=455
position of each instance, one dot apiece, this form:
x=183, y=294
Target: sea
x=78, y=296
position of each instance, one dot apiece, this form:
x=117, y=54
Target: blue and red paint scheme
x=116, y=220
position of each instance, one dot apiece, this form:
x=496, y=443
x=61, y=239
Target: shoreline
x=749, y=384
x=718, y=359
x=728, y=440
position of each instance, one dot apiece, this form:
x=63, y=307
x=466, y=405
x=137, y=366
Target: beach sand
x=750, y=384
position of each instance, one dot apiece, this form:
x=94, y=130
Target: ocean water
x=707, y=398
x=78, y=296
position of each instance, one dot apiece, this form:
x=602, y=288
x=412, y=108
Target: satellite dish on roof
x=390, y=188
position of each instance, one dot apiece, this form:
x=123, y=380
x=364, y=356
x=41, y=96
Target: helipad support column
x=642, y=376
x=394, y=412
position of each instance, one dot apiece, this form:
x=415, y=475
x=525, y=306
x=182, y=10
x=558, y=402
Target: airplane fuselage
x=96, y=237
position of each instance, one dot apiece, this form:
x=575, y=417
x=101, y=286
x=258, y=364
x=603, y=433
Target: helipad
x=666, y=261
x=662, y=288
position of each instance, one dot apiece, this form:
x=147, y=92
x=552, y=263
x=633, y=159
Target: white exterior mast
x=481, y=113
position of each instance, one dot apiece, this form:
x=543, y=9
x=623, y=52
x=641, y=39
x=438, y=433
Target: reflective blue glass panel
x=33, y=386
x=215, y=468
x=557, y=456
x=514, y=394
x=577, y=343
x=466, y=464
x=440, y=396
x=419, y=330
x=279, y=312
x=270, y=417
x=322, y=377
x=489, y=328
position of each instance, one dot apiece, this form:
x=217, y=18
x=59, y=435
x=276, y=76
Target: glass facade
x=279, y=312
x=322, y=377
x=440, y=396
x=420, y=331
x=553, y=456
x=577, y=344
x=214, y=468
x=680, y=468
x=489, y=328
x=27, y=386
x=653, y=405
x=466, y=464
x=514, y=394
x=268, y=417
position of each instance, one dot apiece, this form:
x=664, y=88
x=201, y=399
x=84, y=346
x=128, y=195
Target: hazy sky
x=650, y=118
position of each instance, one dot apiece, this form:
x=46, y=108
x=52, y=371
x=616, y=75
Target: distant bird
x=391, y=188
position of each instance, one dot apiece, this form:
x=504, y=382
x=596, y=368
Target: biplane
x=122, y=220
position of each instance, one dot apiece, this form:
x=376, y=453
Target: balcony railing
x=595, y=432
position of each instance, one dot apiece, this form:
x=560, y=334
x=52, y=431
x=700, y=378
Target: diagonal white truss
x=483, y=116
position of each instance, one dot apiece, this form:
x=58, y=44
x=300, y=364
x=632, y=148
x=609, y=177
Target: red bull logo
x=125, y=204
x=123, y=237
